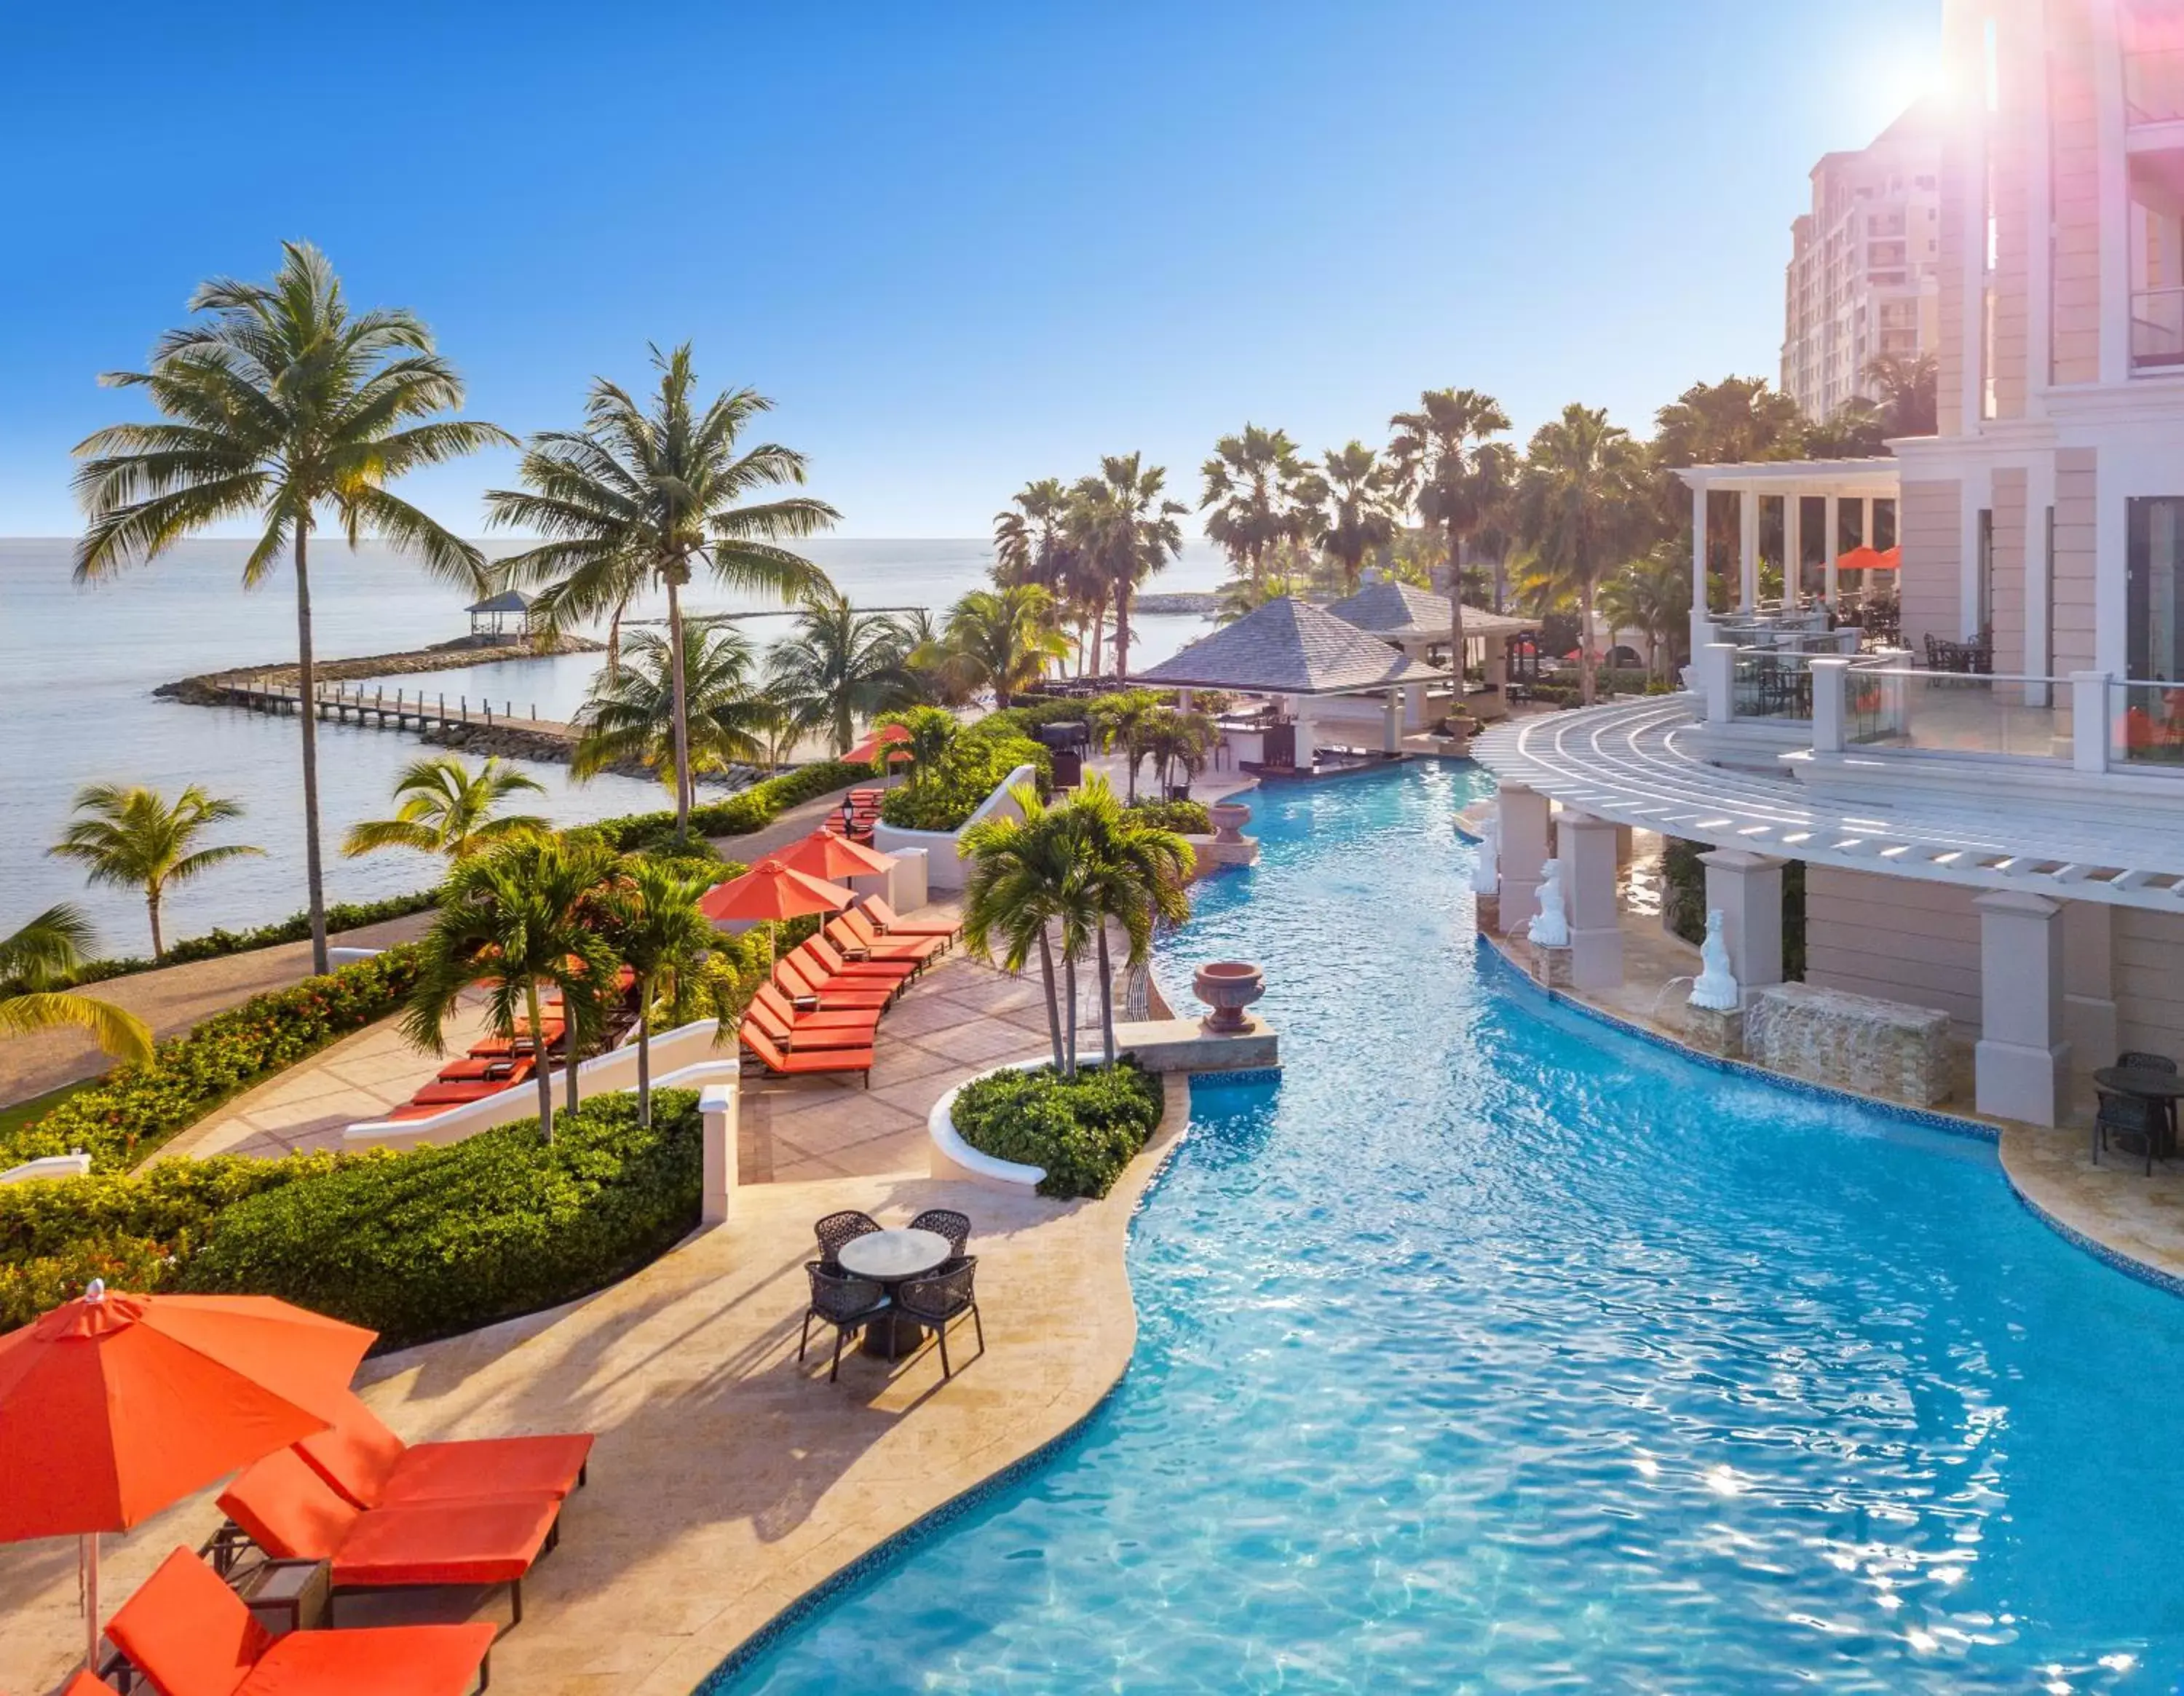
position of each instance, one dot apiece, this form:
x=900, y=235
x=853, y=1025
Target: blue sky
x=962, y=245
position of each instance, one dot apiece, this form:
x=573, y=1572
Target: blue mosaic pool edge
x=1977, y=1130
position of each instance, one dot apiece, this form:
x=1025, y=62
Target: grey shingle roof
x=1288, y=647
x=1389, y=609
x=507, y=601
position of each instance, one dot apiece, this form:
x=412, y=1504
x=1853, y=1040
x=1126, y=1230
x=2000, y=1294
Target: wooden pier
x=401, y=708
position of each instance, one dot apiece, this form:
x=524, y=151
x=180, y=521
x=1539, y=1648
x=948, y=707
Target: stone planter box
x=1849, y=1042
x=953, y=1158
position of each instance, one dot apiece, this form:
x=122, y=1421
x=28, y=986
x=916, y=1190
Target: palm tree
x=517, y=920
x=39, y=955
x=1127, y=531
x=282, y=406
x=1359, y=509
x=1581, y=503
x=932, y=674
x=1908, y=390
x=445, y=808
x=1135, y=874
x=131, y=837
x=837, y=667
x=928, y=734
x=1254, y=484
x=1029, y=541
x=1439, y=469
x=1003, y=640
x=1175, y=741
x=629, y=715
x=654, y=928
x=1241, y=595
x=639, y=499
x=1027, y=888
x=1652, y=595
x=1121, y=721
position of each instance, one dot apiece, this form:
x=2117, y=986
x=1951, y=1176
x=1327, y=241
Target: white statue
x=1549, y=927
x=1715, y=988
x=1486, y=870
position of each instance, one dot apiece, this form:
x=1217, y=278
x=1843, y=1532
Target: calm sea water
x=78, y=666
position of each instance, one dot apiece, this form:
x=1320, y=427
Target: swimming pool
x=1493, y=1349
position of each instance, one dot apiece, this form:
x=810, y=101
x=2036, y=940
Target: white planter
x=954, y=1158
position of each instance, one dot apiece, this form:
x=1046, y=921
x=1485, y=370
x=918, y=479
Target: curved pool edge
x=1128, y=1199
x=2014, y=1156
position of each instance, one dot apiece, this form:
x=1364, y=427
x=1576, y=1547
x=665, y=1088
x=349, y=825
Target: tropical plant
x=517, y=921
x=1025, y=891
x=1120, y=722
x=131, y=837
x=929, y=734
x=1258, y=493
x=1241, y=595
x=1359, y=509
x=44, y=952
x=446, y=808
x=1735, y=422
x=1001, y=639
x=1031, y=542
x=838, y=668
x=1176, y=742
x=1135, y=872
x=1581, y=499
x=1127, y=531
x=1908, y=390
x=653, y=926
x=282, y=405
x=647, y=495
x=931, y=676
x=628, y=716
x=1652, y=596
x=1440, y=470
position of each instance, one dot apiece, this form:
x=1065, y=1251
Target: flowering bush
x=133, y=1111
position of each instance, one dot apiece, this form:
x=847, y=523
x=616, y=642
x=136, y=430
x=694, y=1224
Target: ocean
x=78, y=667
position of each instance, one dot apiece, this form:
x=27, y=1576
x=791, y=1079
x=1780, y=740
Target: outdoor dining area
x=2136, y=1107
x=895, y=1289
x=115, y=1406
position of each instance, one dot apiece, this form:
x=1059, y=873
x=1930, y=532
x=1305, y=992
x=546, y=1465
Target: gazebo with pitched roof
x=1299, y=653
x=489, y=617
x=1417, y=621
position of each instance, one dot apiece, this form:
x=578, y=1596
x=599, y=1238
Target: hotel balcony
x=2153, y=85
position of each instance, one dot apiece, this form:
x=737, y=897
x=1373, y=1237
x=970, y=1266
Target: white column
x=717, y=1107
x=1391, y=723
x=1831, y=704
x=1793, y=545
x=1525, y=828
x=2089, y=1009
x=2021, y=1061
x=2039, y=589
x=2093, y=721
x=1747, y=549
x=1182, y=699
x=1865, y=521
x=1303, y=713
x=2112, y=182
x=1414, y=706
x=1701, y=615
x=1746, y=887
x=1834, y=522
x=1587, y=851
x=1713, y=680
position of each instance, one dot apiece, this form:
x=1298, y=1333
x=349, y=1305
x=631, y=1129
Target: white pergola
x=1791, y=481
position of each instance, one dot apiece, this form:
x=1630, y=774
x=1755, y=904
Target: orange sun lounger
x=800, y=1063
x=853, y=930
x=190, y=1635
x=801, y=980
x=292, y=1513
x=373, y=1468
x=769, y=998
x=831, y=960
x=884, y=916
x=787, y=1036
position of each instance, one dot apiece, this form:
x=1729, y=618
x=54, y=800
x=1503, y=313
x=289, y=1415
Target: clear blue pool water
x=1492, y=1350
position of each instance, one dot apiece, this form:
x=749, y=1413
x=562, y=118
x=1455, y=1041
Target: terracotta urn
x=1227, y=987
x=1229, y=817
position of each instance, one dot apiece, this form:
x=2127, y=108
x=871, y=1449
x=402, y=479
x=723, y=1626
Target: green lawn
x=14, y=1118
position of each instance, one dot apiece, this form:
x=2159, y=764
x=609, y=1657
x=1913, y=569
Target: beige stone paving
x=728, y=1478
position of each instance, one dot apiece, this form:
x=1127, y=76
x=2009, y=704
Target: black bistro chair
x=847, y=1303
x=837, y=1228
x=937, y=1300
x=2133, y=1117
x=945, y=1221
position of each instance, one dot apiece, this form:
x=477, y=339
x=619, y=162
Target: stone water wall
x=1850, y=1041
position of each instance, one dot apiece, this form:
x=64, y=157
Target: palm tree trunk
x=1585, y=640
x=613, y=642
x=1053, y=1012
x=571, y=1050
x=1121, y=630
x=545, y=1073
x=1106, y=1000
x=152, y=909
x=681, y=712
x=1069, y=1015
x=644, y=1051
x=306, y=682
x=1455, y=658
x=1099, y=630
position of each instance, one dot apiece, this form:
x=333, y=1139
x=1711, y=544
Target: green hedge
x=435, y=1241
x=133, y=1111
x=977, y=764
x=1189, y=818
x=217, y=943
x=738, y=816
x=1084, y=1132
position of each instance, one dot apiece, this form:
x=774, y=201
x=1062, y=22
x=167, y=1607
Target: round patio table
x=2163, y=1089
x=888, y=1258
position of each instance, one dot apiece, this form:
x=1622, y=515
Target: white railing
x=2157, y=328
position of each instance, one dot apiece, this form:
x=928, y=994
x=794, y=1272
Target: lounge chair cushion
x=188, y=1631
x=373, y=1467
x=488, y=1540
x=383, y=1661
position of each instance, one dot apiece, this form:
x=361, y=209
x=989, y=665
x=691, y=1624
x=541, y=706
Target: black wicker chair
x=837, y=1228
x=945, y=1221
x=2133, y=1117
x=937, y=1300
x=847, y=1303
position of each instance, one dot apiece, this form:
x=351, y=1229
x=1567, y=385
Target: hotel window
x=2153, y=631
x=1983, y=610
x=2157, y=260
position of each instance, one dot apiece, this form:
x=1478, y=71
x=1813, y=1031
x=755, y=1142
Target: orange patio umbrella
x=824, y=855
x=1861, y=558
x=114, y=1406
x=769, y=892
x=1888, y=559
x=887, y=736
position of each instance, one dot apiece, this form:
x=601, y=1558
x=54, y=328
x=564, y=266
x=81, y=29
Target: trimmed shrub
x=434, y=1241
x=1189, y=818
x=978, y=763
x=1084, y=1132
x=750, y=810
x=133, y=1111
x=216, y=943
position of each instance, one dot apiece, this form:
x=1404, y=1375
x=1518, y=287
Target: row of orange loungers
x=494, y=1063
x=821, y=1012
x=383, y=1514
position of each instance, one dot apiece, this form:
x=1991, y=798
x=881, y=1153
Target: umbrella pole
x=90, y=1557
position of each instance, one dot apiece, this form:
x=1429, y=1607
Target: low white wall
x=48, y=1166
x=951, y=1157
x=683, y=1054
x=944, y=849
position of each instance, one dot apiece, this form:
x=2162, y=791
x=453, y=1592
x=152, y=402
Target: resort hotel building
x=1973, y=742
